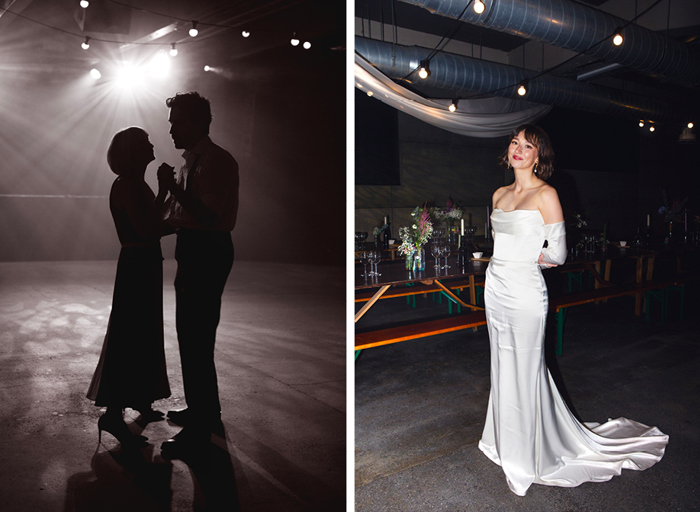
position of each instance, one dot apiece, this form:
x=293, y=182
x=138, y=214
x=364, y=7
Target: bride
x=529, y=430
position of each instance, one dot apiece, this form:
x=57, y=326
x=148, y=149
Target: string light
x=618, y=39
x=522, y=90
x=193, y=30
x=424, y=71
x=690, y=125
x=207, y=68
x=651, y=128
x=370, y=93
x=479, y=7
x=306, y=45
x=295, y=40
x=86, y=44
x=173, y=50
x=245, y=33
x=641, y=123
x=95, y=73
x=453, y=105
x=84, y=4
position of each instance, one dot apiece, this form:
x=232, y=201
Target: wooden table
x=394, y=273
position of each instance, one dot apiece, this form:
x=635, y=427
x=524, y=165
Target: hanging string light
x=84, y=4
x=95, y=73
x=245, y=33
x=618, y=39
x=193, y=30
x=522, y=89
x=295, y=40
x=453, y=105
x=424, y=71
x=85, y=44
x=641, y=123
x=173, y=50
x=479, y=7
x=690, y=125
x=307, y=45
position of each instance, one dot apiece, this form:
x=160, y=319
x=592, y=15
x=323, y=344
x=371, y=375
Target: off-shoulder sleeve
x=555, y=252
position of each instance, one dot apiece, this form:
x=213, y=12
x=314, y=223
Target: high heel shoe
x=119, y=429
x=149, y=415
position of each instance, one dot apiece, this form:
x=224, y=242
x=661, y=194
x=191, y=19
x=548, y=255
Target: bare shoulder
x=547, y=193
x=498, y=194
x=549, y=205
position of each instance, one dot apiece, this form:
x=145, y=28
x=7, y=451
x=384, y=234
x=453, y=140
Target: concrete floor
x=281, y=366
x=420, y=408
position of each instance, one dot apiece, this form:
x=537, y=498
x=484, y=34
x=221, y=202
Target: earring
x=535, y=168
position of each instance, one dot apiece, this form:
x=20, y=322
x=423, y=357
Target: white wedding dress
x=530, y=432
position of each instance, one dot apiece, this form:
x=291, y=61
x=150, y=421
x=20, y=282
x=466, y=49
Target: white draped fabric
x=485, y=118
x=529, y=430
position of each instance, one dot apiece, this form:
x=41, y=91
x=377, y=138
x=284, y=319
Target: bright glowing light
x=245, y=33
x=85, y=44
x=84, y=4
x=370, y=93
x=690, y=125
x=453, y=106
x=617, y=38
x=160, y=65
x=129, y=76
x=641, y=123
x=522, y=90
x=295, y=40
x=193, y=30
x=207, y=68
x=479, y=7
x=651, y=128
x=95, y=73
x=173, y=51
x=307, y=45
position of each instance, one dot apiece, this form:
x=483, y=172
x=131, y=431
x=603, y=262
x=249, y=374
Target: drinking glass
x=435, y=252
x=446, y=249
x=376, y=259
x=364, y=259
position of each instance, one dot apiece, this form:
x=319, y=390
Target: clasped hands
x=541, y=261
x=166, y=177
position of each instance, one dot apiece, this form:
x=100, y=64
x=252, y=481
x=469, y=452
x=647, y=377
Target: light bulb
x=85, y=44
x=690, y=125
x=173, y=50
x=193, y=30
x=307, y=45
x=651, y=128
x=424, y=71
x=245, y=33
x=479, y=7
x=84, y=4
x=370, y=93
x=295, y=40
x=522, y=90
x=617, y=38
x=95, y=73
x=207, y=68
x=453, y=106
x=641, y=123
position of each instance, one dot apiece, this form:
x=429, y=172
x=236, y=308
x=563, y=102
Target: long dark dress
x=131, y=371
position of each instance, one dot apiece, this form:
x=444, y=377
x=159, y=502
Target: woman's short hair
x=195, y=106
x=120, y=154
x=538, y=138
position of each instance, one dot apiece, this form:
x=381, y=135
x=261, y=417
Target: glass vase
x=419, y=259
x=409, y=260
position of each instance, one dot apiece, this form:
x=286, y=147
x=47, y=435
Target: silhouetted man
x=202, y=208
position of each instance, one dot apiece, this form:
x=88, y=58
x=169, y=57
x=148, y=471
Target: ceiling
x=397, y=21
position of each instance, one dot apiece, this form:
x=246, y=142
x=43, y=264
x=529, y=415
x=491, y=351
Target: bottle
x=462, y=256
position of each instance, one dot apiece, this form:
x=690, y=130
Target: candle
x=462, y=228
x=386, y=221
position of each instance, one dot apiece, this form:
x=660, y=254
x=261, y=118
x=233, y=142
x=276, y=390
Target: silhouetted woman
x=131, y=371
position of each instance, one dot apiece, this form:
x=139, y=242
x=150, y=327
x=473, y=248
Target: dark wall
x=609, y=170
x=279, y=110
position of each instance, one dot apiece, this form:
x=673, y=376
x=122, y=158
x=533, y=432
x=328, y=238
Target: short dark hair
x=538, y=138
x=195, y=106
x=120, y=152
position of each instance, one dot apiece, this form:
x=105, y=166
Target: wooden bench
x=560, y=304
x=418, y=330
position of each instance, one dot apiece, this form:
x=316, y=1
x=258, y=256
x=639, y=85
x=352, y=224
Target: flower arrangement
x=419, y=233
x=577, y=220
x=671, y=213
x=449, y=213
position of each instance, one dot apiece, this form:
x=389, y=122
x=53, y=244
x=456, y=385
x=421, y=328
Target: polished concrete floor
x=420, y=407
x=281, y=363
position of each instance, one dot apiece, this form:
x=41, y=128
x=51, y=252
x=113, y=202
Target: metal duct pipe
x=577, y=27
x=469, y=75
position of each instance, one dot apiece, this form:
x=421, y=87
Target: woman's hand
x=540, y=260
